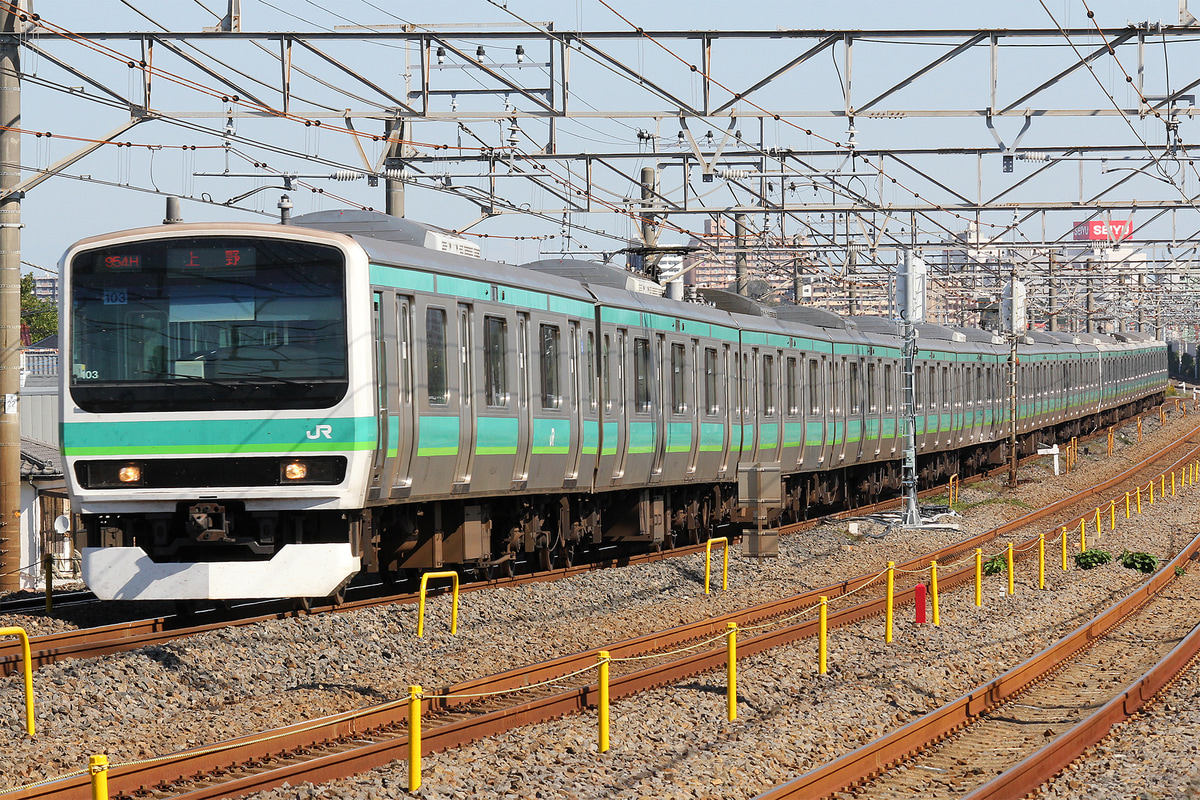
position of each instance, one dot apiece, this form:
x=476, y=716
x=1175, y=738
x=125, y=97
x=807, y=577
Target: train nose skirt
x=297, y=570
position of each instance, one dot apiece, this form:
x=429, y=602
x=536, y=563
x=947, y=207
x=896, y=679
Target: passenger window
x=855, y=392
x=435, y=356
x=889, y=389
x=768, y=384
x=678, y=393
x=793, y=401
x=872, y=395
x=711, y=397
x=495, y=350
x=551, y=384
x=591, y=370
x=641, y=374
x=814, y=390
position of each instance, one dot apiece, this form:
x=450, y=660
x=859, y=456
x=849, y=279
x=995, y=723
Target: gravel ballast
x=672, y=742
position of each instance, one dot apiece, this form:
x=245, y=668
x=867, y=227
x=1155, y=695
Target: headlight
x=295, y=471
x=111, y=474
x=130, y=473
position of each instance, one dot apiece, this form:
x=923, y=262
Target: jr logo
x=319, y=431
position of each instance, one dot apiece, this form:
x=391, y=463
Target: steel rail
x=393, y=716
x=861, y=764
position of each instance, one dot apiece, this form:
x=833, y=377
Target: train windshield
x=200, y=323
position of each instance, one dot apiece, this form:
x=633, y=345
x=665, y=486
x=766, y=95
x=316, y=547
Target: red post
x=920, y=603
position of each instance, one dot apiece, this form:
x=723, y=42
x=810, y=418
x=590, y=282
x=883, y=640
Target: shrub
x=1092, y=558
x=1142, y=562
x=996, y=565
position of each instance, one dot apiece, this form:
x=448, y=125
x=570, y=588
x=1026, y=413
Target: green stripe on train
x=161, y=437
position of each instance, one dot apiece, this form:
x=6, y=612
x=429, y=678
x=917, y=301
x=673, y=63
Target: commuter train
x=257, y=410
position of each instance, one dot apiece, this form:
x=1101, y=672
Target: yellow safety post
x=1162, y=488
x=1162, y=416
x=952, y=490
x=823, y=637
x=933, y=593
x=1012, y=589
x=978, y=577
x=1127, y=505
x=1152, y=492
x=414, y=738
x=708, y=562
x=1041, y=561
x=1112, y=514
x=1110, y=441
x=1082, y=535
x=604, y=701
x=1063, y=536
x=1098, y=528
x=421, y=604
x=891, y=588
x=1139, y=422
x=98, y=769
x=27, y=662
x=731, y=670
x=1137, y=492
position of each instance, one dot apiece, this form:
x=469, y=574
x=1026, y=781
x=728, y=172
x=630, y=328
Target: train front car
x=217, y=429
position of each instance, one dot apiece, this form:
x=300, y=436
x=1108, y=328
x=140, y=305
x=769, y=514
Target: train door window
x=435, y=356
x=641, y=374
x=403, y=326
x=495, y=355
x=573, y=367
x=814, y=388
x=918, y=395
x=678, y=386
x=889, y=389
x=835, y=383
x=793, y=401
x=551, y=382
x=872, y=393
x=619, y=374
x=606, y=386
x=464, y=355
x=590, y=361
x=768, y=385
x=931, y=389
x=947, y=389
x=855, y=400
x=712, y=402
x=746, y=393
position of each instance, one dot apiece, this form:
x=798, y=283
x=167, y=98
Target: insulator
x=346, y=175
x=396, y=174
x=733, y=174
x=1033, y=155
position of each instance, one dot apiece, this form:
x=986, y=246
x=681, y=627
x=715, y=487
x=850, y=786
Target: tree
x=38, y=317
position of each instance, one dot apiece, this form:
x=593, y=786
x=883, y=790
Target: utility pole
x=739, y=254
x=10, y=301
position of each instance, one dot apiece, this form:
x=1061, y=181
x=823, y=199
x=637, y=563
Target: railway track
x=1007, y=737
x=353, y=742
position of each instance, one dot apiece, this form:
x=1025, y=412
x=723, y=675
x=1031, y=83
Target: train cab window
x=551, y=357
x=768, y=385
x=495, y=354
x=712, y=402
x=855, y=399
x=814, y=387
x=872, y=393
x=641, y=374
x=678, y=385
x=889, y=389
x=435, y=356
x=793, y=401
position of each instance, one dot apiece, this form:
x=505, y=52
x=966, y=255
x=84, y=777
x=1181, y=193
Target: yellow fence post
x=1082, y=535
x=98, y=769
x=933, y=592
x=1063, y=535
x=1041, y=561
x=708, y=562
x=1099, y=530
x=1012, y=589
x=1137, y=493
x=731, y=670
x=414, y=738
x=978, y=577
x=823, y=638
x=1112, y=514
x=421, y=603
x=891, y=588
x=603, y=702
x=1151, y=492
x=27, y=666
x=1127, y=505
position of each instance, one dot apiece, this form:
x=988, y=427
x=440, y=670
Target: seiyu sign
x=1099, y=230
